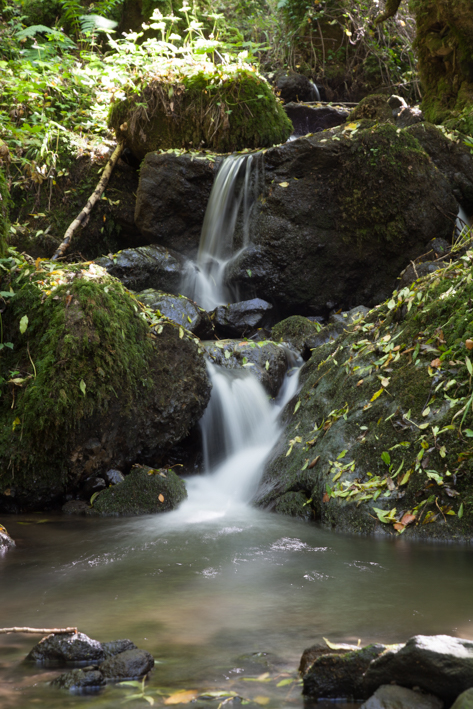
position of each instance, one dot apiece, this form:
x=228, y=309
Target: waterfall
x=235, y=187
x=316, y=91
x=462, y=222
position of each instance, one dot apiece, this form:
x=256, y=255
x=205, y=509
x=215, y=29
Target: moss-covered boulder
x=144, y=491
x=374, y=107
x=379, y=439
x=221, y=108
x=295, y=330
x=93, y=381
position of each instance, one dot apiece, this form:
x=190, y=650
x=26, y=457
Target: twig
x=90, y=203
x=43, y=631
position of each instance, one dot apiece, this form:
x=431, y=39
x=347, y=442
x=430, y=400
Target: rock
x=144, y=491
x=295, y=330
x=396, y=103
x=115, y=647
x=62, y=649
x=311, y=653
x=240, y=319
x=409, y=116
x=76, y=507
x=464, y=701
x=163, y=115
x=93, y=484
x=340, y=676
x=180, y=310
x=313, y=119
x=171, y=200
x=146, y=267
x=375, y=107
x=113, y=477
x=128, y=665
x=393, y=697
x=88, y=679
x=6, y=542
x=148, y=387
x=334, y=225
x=438, y=664
x=252, y=356
x=294, y=504
x=295, y=87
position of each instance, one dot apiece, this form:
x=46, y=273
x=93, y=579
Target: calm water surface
x=204, y=592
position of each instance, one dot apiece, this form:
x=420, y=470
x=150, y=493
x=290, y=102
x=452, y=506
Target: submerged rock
x=146, y=267
x=76, y=507
x=62, y=649
x=240, y=319
x=439, y=664
x=266, y=360
x=180, y=310
x=393, y=697
x=89, y=679
x=107, y=388
x=144, y=491
x=128, y=665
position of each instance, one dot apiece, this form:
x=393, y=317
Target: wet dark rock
x=144, y=491
x=180, y=310
x=6, y=542
x=267, y=361
x=393, y=697
x=465, y=700
x=115, y=647
x=128, y=665
x=89, y=679
x=240, y=319
x=295, y=87
x=171, y=201
x=311, y=653
x=76, y=507
x=375, y=107
x=295, y=330
x=338, y=324
x=340, y=676
x=113, y=477
x=335, y=226
x=439, y=664
x=294, y=504
x=409, y=116
x=62, y=649
x=93, y=484
x=313, y=119
x=146, y=267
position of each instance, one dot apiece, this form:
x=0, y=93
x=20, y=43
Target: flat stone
x=391, y=696
x=439, y=664
x=62, y=649
x=130, y=664
x=86, y=680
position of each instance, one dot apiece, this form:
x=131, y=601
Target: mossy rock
x=144, y=491
x=294, y=504
x=374, y=107
x=92, y=382
x=379, y=436
x=295, y=330
x=222, y=112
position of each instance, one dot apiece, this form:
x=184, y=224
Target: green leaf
x=228, y=354
x=267, y=365
x=468, y=432
x=285, y=682
x=386, y=458
x=6, y=293
x=82, y=386
x=23, y=324
x=342, y=454
x=469, y=366
x=296, y=407
x=248, y=272
x=460, y=511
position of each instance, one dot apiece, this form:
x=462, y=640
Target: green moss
x=223, y=113
x=295, y=330
x=374, y=107
x=144, y=491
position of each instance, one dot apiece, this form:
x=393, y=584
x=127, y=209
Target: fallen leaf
x=408, y=518
x=436, y=363
x=262, y=701
x=326, y=497
x=398, y=527
x=469, y=344
x=161, y=498
x=376, y=394
x=358, y=384
x=314, y=462
x=182, y=697
x=284, y=184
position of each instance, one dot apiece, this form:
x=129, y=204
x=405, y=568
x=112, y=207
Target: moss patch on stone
x=144, y=491
x=295, y=330
x=374, y=108
x=223, y=112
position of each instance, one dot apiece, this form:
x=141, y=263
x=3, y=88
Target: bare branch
x=41, y=631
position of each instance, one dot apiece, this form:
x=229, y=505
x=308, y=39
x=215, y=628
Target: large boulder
x=100, y=385
x=378, y=436
x=146, y=267
x=62, y=649
x=219, y=110
x=243, y=318
x=180, y=310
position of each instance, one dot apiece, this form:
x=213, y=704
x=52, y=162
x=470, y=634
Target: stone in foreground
x=130, y=664
x=390, y=696
x=90, y=679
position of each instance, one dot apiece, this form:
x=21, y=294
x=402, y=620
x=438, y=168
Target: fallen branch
x=43, y=631
x=97, y=193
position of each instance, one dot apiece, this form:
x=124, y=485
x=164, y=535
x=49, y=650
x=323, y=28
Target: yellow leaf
x=378, y=393
x=262, y=701
x=351, y=126
x=161, y=498
x=338, y=475
x=183, y=697
x=283, y=184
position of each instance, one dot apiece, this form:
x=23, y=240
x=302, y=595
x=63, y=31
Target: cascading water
x=235, y=187
x=462, y=222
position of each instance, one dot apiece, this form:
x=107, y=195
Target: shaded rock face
x=129, y=664
x=90, y=679
x=267, y=361
x=240, y=319
x=115, y=647
x=171, y=200
x=146, y=267
x=353, y=213
x=393, y=697
x=313, y=119
x=295, y=87
x=438, y=664
x=75, y=648
x=180, y=310
x=144, y=491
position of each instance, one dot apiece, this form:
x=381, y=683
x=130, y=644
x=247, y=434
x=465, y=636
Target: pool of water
x=219, y=598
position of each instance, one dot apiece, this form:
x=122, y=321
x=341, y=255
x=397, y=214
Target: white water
x=235, y=188
x=463, y=223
